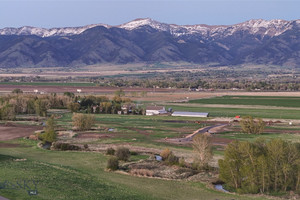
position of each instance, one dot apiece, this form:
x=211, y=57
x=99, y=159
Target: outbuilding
x=155, y=110
x=189, y=114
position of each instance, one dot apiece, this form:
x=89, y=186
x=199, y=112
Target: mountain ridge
x=136, y=23
x=271, y=42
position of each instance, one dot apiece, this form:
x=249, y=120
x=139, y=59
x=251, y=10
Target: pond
x=47, y=145
x=220, y=188
x=158, y=158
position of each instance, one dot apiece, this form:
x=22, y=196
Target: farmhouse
x=94, y=108
x=128, y=108
x=189, y=114
x=155, y=110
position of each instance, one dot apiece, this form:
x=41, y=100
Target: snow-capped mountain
x=43, y=32
x=259, y=26
x=143, y=22
x=275, y=42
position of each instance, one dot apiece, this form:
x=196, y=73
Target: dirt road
x=210, y=129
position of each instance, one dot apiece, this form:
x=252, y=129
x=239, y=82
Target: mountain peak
x=141, y=22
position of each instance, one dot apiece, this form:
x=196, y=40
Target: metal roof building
x=189, y=114
x=155, y=110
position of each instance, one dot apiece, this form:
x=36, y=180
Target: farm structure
x=155, y=110
x=189, y=114
x=127, y=108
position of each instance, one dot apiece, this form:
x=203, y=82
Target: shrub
x=195, y=165
x=172, y=159
x=65, y=146
x=73, y=107
x=17, y=91
x=69, y=94
x=113, y=163
x=82, y=121
x=182, y=162
x=86, y=146
x=169, y=157
x=252, y=126
x=133, y=153
x=48, y=137
x=165, y=154
x=110, y=151
x=123, y=153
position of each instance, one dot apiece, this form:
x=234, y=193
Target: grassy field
x=252, y=100
x=232, y=112
x=82, y=175
x=267, y=136
x=146, y=130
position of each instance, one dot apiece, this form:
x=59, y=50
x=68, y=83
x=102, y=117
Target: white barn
x=189, y=114
x=155, y=110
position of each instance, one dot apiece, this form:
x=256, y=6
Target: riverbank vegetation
x=261, y=166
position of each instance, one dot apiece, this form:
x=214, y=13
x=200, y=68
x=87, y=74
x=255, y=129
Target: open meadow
x=85, y=171
x=279, y=101
x=82, y=174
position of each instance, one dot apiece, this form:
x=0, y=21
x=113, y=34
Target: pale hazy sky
x=62, y=13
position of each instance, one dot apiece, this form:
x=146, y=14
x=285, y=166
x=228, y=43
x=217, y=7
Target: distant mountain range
x=275, y=42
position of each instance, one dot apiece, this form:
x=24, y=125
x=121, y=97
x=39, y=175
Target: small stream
x=220, y=188
x=46, y=146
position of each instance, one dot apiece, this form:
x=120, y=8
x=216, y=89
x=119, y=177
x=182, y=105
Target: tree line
x=19, y=103
x=102, y=104
x=261, y=166
x=13, y=104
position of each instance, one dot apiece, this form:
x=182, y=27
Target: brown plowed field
x=13, y=131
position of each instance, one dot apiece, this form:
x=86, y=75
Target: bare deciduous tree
x=203, y=149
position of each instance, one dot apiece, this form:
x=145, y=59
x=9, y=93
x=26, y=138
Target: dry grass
x=93, y=70
x=142, y=172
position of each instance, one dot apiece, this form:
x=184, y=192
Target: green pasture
x=268, y=136
x=82, y=175
x=143, y=129
x=232, y=112
x=252, y=100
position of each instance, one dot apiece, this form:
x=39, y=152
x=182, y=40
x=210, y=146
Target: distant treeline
x=205, y=85
x=13, y=104
x=19, y=103
x=211, y=79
